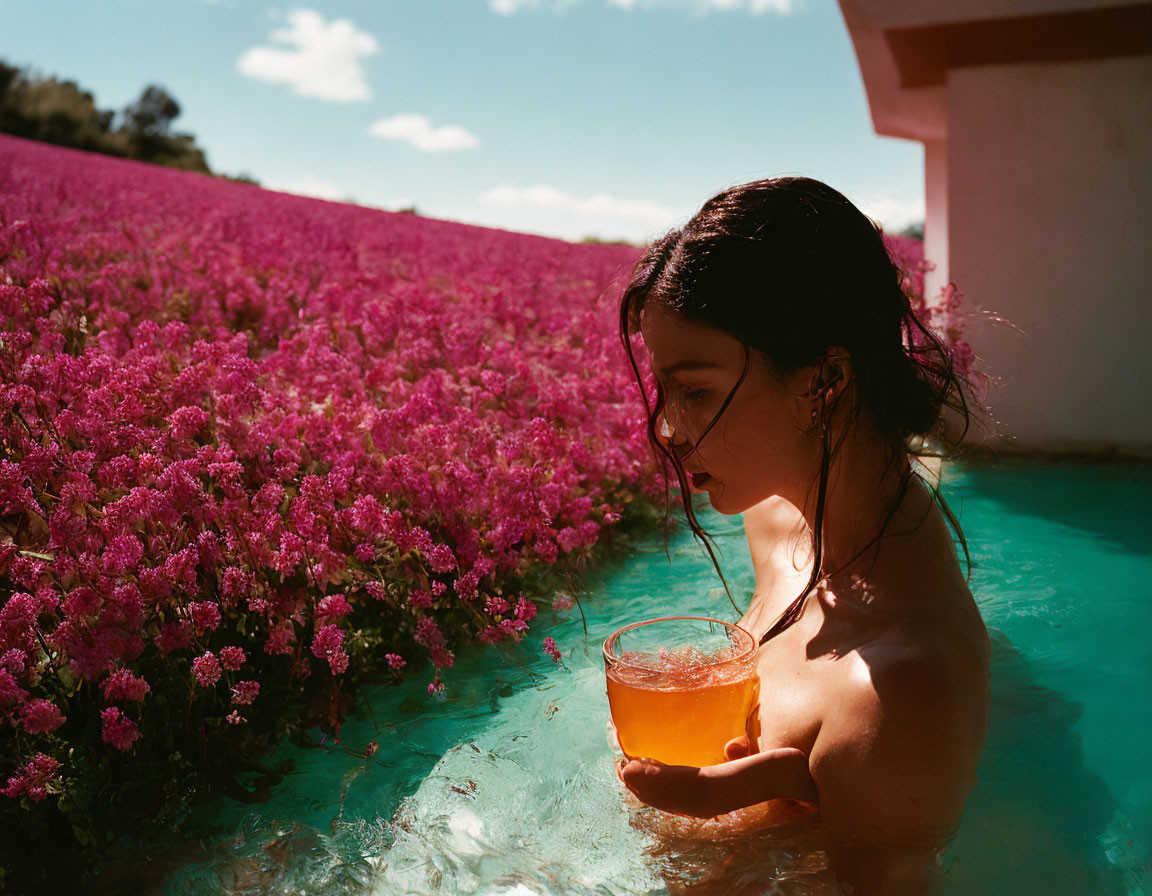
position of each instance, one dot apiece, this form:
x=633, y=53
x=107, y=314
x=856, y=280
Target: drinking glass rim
x=618, y=661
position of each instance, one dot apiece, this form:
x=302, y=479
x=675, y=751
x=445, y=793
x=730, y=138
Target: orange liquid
x=681, y=726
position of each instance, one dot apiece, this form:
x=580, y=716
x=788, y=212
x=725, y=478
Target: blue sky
x=614, y=118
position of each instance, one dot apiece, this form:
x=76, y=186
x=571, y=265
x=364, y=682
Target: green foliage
x=242, y=178
x=598, y=241
x=60, y=112
x=914, y=231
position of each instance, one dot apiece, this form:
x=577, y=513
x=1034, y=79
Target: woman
x=791, y=378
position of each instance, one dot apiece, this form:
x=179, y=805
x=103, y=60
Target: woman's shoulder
x=924, y=668
x=896, y=751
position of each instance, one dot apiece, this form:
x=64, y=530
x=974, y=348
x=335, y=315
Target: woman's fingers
x=780, y=773
x=672, y=788
x=738, y=747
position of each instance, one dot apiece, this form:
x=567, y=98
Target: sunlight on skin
x=869, y=660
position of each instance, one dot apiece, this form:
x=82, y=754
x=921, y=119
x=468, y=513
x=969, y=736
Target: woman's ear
x=828, y=377
x=831, y=376
x=818, y=386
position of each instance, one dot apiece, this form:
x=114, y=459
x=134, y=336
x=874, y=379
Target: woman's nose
x=681, y=447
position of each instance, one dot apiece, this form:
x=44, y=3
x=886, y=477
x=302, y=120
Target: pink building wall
x=1036, y=118
x=1049, y=223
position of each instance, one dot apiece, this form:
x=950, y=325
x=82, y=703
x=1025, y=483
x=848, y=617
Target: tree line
x=62, y=113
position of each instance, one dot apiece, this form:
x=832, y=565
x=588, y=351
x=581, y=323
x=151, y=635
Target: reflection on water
x=506, y=788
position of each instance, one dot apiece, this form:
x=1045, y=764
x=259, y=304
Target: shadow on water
x=1109, y=503
x=1035, y=821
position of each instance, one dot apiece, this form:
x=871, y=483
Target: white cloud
x=756, y=7
x=418, y=130
x=309, y=185
x=700, y=7
x=507, y=7
x=891, y=212
x=550, y=211
x=320, y=59
x=598, y=204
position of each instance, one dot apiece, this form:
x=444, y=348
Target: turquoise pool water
x=503, y=785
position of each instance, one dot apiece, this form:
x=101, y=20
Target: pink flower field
x=254, y=444
x=256, y=448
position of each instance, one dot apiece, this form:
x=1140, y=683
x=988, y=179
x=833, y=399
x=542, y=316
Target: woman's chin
x=728, y=504
x=719, y=501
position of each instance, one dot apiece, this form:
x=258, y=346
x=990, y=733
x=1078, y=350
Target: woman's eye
x=694, y=394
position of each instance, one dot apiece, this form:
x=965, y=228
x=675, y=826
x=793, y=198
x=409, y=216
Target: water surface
x=504, y=785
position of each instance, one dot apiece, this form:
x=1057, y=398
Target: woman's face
x=759, y=447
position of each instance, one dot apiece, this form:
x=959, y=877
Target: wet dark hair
x=792, y=269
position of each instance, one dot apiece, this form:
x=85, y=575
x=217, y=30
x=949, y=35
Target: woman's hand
x=745, y=779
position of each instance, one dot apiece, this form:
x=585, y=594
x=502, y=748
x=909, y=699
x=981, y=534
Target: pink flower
x=232, y=657
x=235, y=584
x=174, y=636
x=428, y=633
x=493, y=381
x=41, y=716
x=333, y=606
x=234, y=718
x=328, y=645
x=244, y=692
x=122, y=554
x=440, y=558
x=14, y=660
x=187, y=421
x=123, y=685
x=206, y=669
x=495, y=606
x=205, y=615
x=563, y=601
x=280, y=639
x=10, y=691
x=525, y=610
x=551, y=649
x=396, y=661
x=118, y=730
x=569, y=538
x=33, y=779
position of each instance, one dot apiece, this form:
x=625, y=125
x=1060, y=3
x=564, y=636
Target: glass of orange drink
x=681, y=687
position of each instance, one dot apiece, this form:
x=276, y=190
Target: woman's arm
x=893, y=761
x=716, y=789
